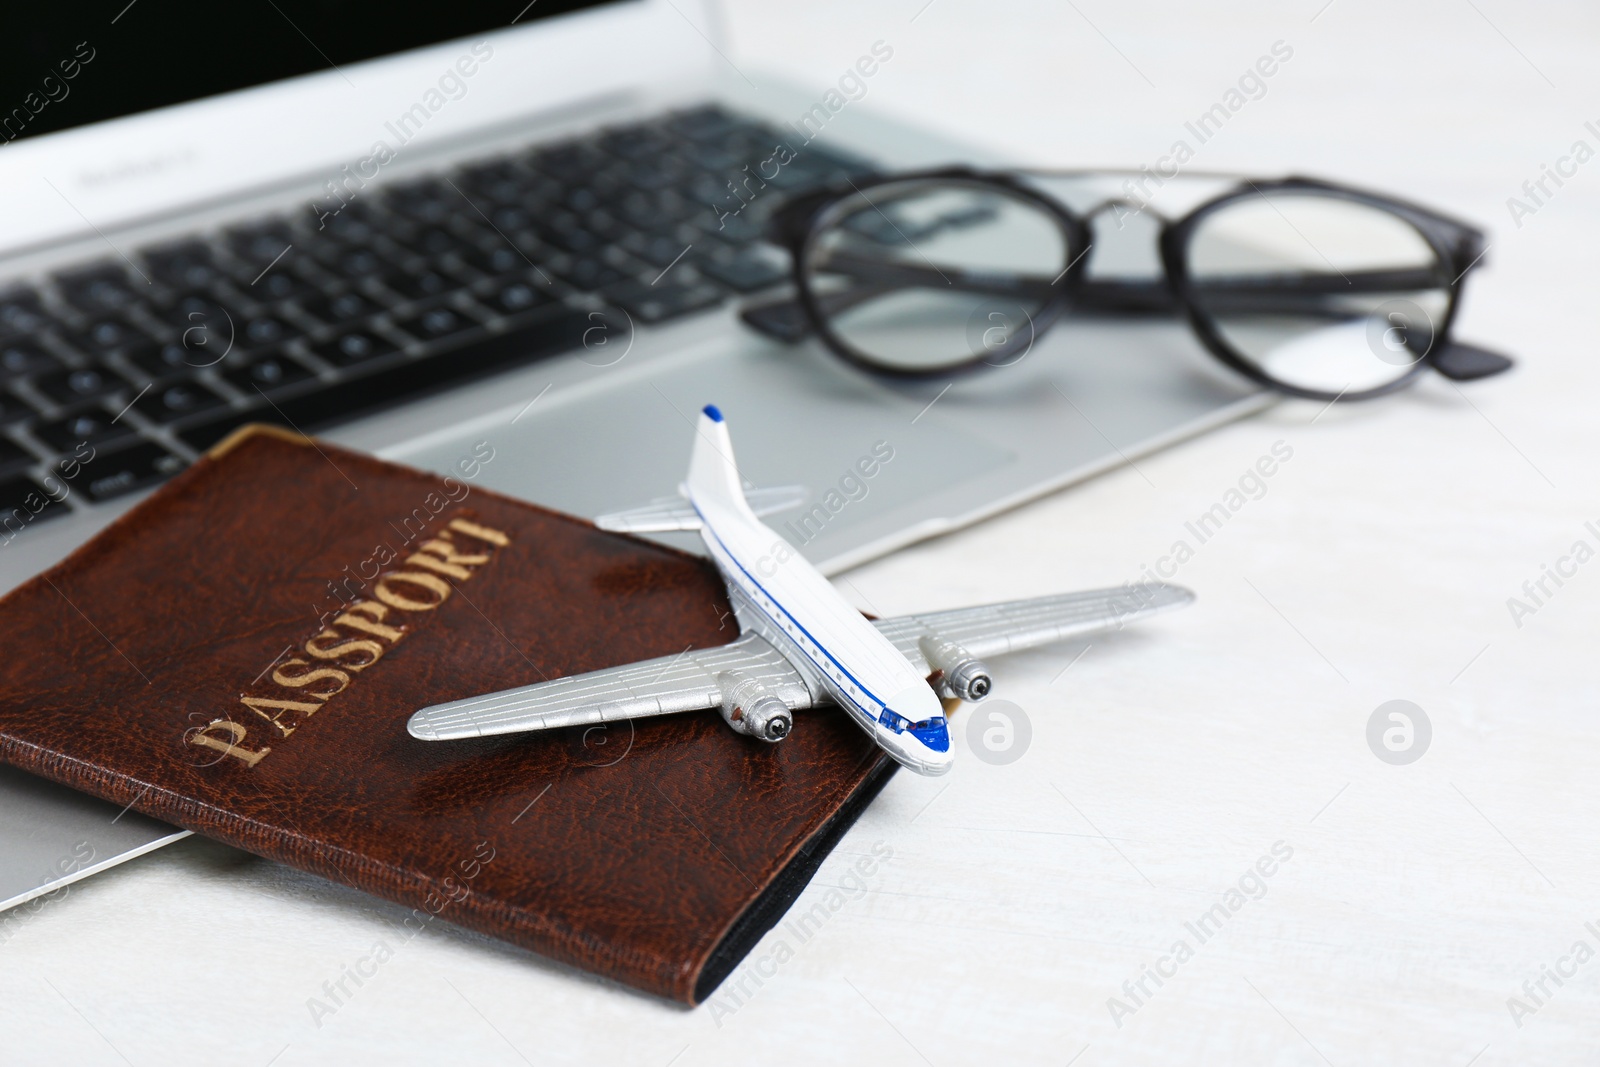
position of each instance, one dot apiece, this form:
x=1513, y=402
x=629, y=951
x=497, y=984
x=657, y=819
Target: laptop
x=446, y=232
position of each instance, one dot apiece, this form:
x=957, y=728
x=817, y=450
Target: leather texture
x=632, y=851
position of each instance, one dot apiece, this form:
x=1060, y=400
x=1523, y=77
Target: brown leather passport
x=240, y=653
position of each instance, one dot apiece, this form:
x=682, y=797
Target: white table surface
x=1019, y=898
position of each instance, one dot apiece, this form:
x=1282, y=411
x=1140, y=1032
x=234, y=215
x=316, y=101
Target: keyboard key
x=107, y=335
x=92, y=426
x=340, y=308
x=478, y=177
x=21, y=311
x=185, y=265
x=495, y=263
x=357, y=346
x=653, y=175
x=582, y=200
x=267, y=374
x=14, y=458
x=667, y=300
x=351, y=264
x=101, y=288
x=510, y=219
x=111, y=474
x=264, y=331
x=427, y=200
x=79, y=384
x=571, y=163
x=513, y=298
x=590, y=274
x=276, y=283
x=351, y=225
x=568, y=234
x=438, y=322
x=259, y=243
x=24, y=357
x=279, y=283
x=554, y=329
x=170, y=360
x=169, y=403
x=431, y=242
x=14, y=409
x=659, y=252
x=425, y=285
x=23, y=503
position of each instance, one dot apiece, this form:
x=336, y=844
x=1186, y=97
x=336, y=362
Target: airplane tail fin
x=713, y=474
x=713, y=477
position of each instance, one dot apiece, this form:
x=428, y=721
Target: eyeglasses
x=1314, y=289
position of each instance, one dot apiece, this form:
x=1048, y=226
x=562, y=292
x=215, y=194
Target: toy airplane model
x=802, y=644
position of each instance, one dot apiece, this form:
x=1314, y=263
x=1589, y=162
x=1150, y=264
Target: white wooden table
x=1167, y=761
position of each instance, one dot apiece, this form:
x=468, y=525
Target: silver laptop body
x=602, y=424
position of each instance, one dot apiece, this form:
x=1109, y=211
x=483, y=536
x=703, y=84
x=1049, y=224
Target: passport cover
x=239, y=654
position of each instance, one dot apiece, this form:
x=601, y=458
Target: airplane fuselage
x=777, y=593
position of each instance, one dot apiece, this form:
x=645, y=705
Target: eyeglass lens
x=928, y=275
x=1318, y=292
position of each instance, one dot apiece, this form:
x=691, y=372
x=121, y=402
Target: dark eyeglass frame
x=800, y=221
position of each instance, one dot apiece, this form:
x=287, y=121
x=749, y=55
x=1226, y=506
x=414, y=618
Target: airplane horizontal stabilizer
x=675, y=513
x=775, y=498
x=658, y=516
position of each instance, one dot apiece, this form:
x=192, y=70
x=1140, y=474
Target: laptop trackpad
x=861, y=451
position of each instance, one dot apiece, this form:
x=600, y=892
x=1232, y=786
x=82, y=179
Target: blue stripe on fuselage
x=706, y=527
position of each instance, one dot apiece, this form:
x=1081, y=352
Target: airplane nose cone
x=935, y=735
x=421, y=727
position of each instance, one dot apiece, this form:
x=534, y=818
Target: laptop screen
x=67, y=64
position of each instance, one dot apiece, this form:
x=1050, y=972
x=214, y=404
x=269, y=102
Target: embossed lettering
x=271, y=710
x=482, y=533
x=230, y=747
x=405, y=603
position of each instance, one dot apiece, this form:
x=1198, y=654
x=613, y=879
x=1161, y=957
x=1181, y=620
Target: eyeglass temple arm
x=785, y=319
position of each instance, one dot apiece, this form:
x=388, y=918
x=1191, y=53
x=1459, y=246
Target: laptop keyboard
x=115, y=374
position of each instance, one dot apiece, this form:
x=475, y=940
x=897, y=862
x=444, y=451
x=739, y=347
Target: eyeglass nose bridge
x=1164, y=220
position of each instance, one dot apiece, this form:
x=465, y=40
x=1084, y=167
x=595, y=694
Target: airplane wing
x=674, y=512
x=663, y=686
x=995, y=629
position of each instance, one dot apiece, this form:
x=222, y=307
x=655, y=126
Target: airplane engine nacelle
x=751, y=708
x=956, y=672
